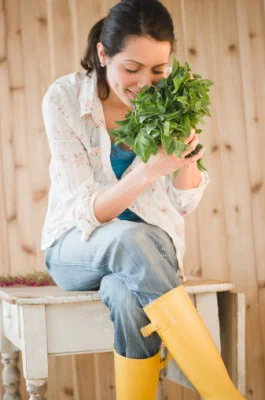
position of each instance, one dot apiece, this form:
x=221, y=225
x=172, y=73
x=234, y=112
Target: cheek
x=125, y=81
x=120, y=81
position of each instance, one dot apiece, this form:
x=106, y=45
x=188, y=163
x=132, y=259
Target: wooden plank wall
x=223, y=40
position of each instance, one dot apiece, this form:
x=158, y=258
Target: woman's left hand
x=192, y=141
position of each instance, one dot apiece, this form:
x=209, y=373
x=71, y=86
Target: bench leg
x=9, y=358
x=37, y=388
x=232, y=323
x=11, y=375
x=34, y=350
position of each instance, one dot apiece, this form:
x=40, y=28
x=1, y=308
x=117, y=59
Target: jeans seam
x=76, y=265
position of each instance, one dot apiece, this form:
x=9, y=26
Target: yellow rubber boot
x=176, y=320
x=136, y=379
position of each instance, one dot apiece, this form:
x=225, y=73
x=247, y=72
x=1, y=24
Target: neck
x=115, y=105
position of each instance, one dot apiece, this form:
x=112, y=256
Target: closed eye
x=133, y=72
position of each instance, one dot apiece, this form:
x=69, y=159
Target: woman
x=114, y=223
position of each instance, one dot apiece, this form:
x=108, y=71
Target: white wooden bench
x=48, y=321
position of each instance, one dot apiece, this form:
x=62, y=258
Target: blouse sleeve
x=186, y=200
x=70, y=170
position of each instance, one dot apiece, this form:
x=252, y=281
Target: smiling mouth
x=133, y=94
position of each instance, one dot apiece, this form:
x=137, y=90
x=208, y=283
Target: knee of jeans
x=139, y=237
x=115, y=294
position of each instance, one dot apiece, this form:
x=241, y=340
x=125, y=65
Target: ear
x=101, y=53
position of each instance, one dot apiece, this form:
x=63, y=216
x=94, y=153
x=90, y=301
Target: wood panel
x=209, y=217
x=251, y=33
x=22, y=249
x=4, y=112
x=222, y=40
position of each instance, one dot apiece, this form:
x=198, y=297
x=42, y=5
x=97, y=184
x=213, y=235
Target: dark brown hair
x=127, y=18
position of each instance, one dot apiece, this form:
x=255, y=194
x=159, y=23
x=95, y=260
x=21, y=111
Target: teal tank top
x=120, y=160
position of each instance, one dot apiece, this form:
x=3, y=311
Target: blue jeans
x=130, y=264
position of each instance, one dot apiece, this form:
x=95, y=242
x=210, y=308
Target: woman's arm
x=189, y=177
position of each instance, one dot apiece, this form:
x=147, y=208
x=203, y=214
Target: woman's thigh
x=80, y=265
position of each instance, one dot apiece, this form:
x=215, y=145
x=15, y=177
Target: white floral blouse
x=80, y=168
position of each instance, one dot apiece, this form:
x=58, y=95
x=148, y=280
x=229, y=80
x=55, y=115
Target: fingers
x=192, y=145
x=192, y=134
x=195, y=158
x=191, y=76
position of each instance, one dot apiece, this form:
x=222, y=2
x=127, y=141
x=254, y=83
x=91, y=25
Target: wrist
x=144, y=175
x=189, y=177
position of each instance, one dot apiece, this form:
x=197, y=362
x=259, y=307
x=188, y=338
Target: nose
x=145, y=79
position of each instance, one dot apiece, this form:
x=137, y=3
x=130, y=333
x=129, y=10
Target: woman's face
x=142, y=62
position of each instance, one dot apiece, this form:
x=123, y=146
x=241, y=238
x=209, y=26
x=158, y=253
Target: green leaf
x=166, y=125
x=145, y=141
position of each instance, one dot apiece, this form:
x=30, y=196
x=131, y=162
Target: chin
x=126, y=102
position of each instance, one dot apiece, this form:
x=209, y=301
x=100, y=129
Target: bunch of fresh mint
x=164, y=115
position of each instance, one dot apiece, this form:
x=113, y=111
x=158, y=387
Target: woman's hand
x=163, y=164
x=192, y=141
